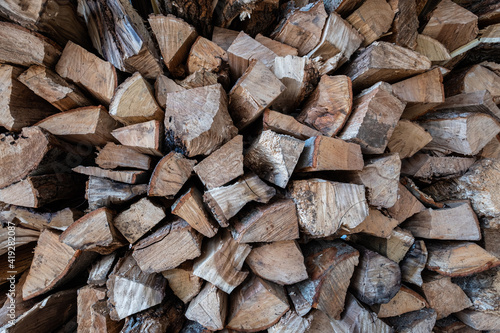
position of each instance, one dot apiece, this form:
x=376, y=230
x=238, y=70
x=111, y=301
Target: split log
x=146, y=138
x=487, y=11
x=421, y=93
x=201, y=15
x=278, y=262
x=221, y=262
x=198, y=79
x=421, y=321
x=456, y=222
x=459, y=258
x=451, y=25
x=299, y=76
x=406, y=300
x=87, y=297
x=163, y=86
x=138, y=219
x=324, y=206
x=432, y=49
x=426, y=167
x=256, y=305
x=174, y=243
x=94, y=232
x=23, y=47
x=197, y=121
x=408, y=138
x=329, y=106
x=273, y=157
x=330, y=266
x=376, y=224
x=53, y=88
x=189, y=207
x=291, y=322
x=382, y=61
x=404, y=30
x=20, y=106
x=376, y=279
x=128, y=176
x=120, y=36
x=88, y=71
x=471, y=131
x=223, y=165
x=22, y=237
x=183, y=282
x=205, y=54
x=130, y=290
x=248, y=188
x=91, y=125
x=414, y=263
x=32, y=219
x=451, y=324
x=424, y=198
x=476, y=101
x=393, y=247
x=100, y=269
x=101, y=322
x=224, y=37
x=54, y=264
x=280, y=49
x=475, y=78
x=114, y=156
x=133, y=102
x=247, y=99
x=372, y=19
x=285, y=124
x=209, y=308
x=325, y=153
x=169, y=175
x=376, y=112
x=273, y=222
x=101, y=192
x=302, y=27
x=444, y=296
x=319, y=322
x=479, y=320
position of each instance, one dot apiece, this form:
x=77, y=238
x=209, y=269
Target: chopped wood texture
x=273, y=157
x=414, y=263
x=444, y=296
x=113, y=156
x=302, y=27
x=120, y=36
x=376, y=279
x=94, y=232
x=169, y=175
x=197, y=121
x=53, y=265
x=101, y=192
x=256, y=306
x=144, y=137
x=393, y=247
x=404, y=30
x=200, y=78
x=325, y=206
x=329, y=106
x=87, y=297
x=414, y=322
x=175, y=242
x=209, y=308
x=223, y=165
x=58, y=220
x=459, y=258
x=279, y=262
x=23, y=47
x=189, y=207
x=163, y=86
x=128, y=176
x=276, y=221
x=475, y=78
x=183, y=282
x=88, y=71
x=100, y=269
x=221, y=262
x=325, y=153
x=479, y=320
x=432, y=49
x=130, y=290
x=91, y=124
x=19, y=106
x=424, y=198
x=408, y=138
x=23, y=236
x=247, y=99
x=382, y=61
x=425, y=167
x=138, y=219
x=288, y=125
x=53, y=88
x=224, y=37
x=291, y=322
x=280, y=49
x=205, y=54
x=406, y=300
x=133, y=102
x=372, y=19
x=476, y=101
x=375, y=114
x=376, y=224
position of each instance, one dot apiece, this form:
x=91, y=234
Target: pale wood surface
x=406, y=205
x=372, y=19
x=444, y=296
x=408, y=138
x=169, y=175
x=475, y=78
x=87, y=297
x=476, y=101
x=205, y=54
x=426, y=167
x=113, y=156
x=376, y=224
x=406, y=300
x=163, y=86
x=183, y=282
x=224, y=37
x=285, y=124
x=101, y=192
x=393, y=247
x=146, y=138
x=100, y=269
x=58, y=220
x=209, y=308
x=124, y=176
x=291, y=322
x=280, y=49
x=432, y=49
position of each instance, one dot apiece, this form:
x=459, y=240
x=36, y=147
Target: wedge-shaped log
x=479, y=320
x=183, y=282
x=174, y=243
x=324, y=206
x=382, y=61
x=113, y=156
x=329, y=106
x=408, y=138
x=376, y=224
x=94, y=232
x=288, y=125
x=221, y=262
x=376, y=112
x=169, y=175
x=475, y=78
x=101, y=192
x=58, y=220
x=100, y=269
x=476, y=101
x=197, y=121
x=256, y=306
x=130, y=290
x=324, y=153
x=414, y=263
x=406, y=300
x=416, y=321
x=223, y=165
x=205, y=54
x=372, y=19
x=209, y=308
x=88, y=71
x=291, y=322
x=393, y=247
x=432, y=49
x=88, y=296
x=124, y=176
x=198, y=79
x=406, y=205
x=281, y=50
x=224, y=37
x=404, y=30
x=426, y=167
x=146, y=138
x=137, y=220
x=133, y=102
x=163, y=86
x=91, y=124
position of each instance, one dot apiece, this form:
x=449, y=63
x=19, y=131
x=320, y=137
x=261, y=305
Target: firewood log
x=376, y=224
x=475, y=78
x=101, y=192
x=393, y=247
x=169, y=175
x=479, y=320
x=444, y=296
x=414, y=263
x=288, y=125
x=183, y=282
x=452, y=324
x=100, y=269
x=414, y=322
x=163, y=86
x=432, y=49
x=408, y=138
x=425, y=167
x=88, y=296
x=199, y=14
x=146, y=138
x=32, y=219
x=224, y=37
x=101, y=322
x=205, y=54
x=198, y=79
x=280, y=49
x=112, y=156
x=209, y=308
x=291, y=322
x=319, y=322
x=404, y=30
x=124, y=176
x=372, y=19
x=407, y=205
x=406, y=300
x=477, y=101
x=424, y=198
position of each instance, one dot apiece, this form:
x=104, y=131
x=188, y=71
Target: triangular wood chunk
x=444, y=296
x=406, y=300
x=183, y=282
x=209, y=308
x=146, y=138
x=101, y=192
x=169, y=175
x=113, y=156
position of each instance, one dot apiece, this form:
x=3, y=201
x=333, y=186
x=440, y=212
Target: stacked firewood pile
x=250, y=165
